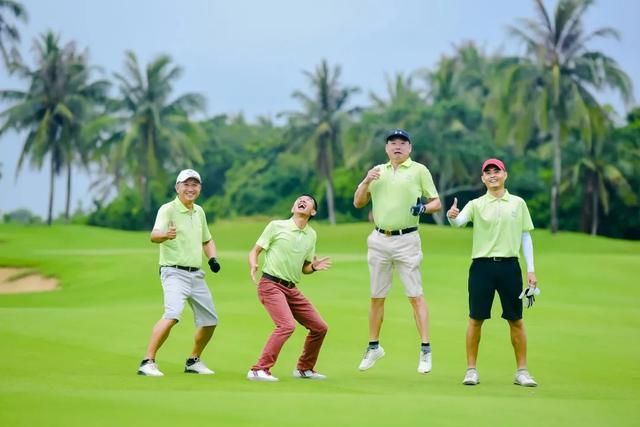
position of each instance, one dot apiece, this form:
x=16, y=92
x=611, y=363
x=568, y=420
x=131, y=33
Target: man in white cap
x=181, y=230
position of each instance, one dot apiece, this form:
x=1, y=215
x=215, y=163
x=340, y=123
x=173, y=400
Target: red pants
x=286, y=306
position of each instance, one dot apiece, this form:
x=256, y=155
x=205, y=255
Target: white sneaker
x=424, y=365
x=471, y=377
x=198, y=368
x=150, y=369
x=260, y=375
x=370, y=357
x=308, y=374
x=524, y=378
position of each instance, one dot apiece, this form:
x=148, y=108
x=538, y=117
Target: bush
x=22, y=216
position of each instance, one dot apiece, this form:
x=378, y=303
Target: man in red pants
x=289, y=247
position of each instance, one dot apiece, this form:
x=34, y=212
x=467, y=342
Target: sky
x=248, y=56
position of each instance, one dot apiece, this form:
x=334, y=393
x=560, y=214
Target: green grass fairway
x=69, y=358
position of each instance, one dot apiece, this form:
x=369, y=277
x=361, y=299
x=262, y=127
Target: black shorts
x=486, y=276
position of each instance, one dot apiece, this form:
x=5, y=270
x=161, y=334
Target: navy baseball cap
x=398, y=133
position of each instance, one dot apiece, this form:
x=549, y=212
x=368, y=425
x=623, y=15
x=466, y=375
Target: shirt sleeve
x=527, y=251
x=527, y=223
x=426, y=183
x=162, y=218
x=206, y=234
x=264, y=241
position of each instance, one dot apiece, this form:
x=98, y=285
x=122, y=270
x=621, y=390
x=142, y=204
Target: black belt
x=182, y=267
x=396, y=232
x=279, y=281
x=497, y=258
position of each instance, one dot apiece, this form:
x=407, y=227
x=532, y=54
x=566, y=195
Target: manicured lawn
x=68, y=358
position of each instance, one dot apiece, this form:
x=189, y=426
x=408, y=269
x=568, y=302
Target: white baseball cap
x=186, y=174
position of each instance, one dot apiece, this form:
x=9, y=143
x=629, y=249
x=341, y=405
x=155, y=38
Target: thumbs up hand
x=418, y=208
x=171, y=231
x=453, y=210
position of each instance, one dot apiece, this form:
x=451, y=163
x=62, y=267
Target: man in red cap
x=501, y=226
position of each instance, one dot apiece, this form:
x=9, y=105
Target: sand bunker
x=23, y=280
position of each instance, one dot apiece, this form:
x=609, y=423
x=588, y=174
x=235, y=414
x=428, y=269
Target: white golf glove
x=530, y=293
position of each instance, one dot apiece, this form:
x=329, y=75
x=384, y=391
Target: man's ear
x=313, y=213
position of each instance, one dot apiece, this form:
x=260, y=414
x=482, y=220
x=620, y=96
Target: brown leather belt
x=279, y=281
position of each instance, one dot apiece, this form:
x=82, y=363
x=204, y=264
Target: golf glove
x=418, y=208
x=530, y=294
x=213, y=264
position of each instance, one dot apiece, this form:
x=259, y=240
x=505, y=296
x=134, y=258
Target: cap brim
x=398, y=136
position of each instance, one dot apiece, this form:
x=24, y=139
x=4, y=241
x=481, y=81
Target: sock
x=374, y=345
x=192, y=360
x=145, y=361
x=425, y=347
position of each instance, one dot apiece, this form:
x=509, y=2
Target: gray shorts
x=404, y=253
x=180, y=286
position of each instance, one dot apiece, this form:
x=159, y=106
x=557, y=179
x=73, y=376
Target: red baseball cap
x=495, y=162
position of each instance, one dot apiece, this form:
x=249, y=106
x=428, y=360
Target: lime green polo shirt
x=393, y=194
x=287, y=248
x=498, y=225
x=191, y=232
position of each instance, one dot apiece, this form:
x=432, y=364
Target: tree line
x=570, y=157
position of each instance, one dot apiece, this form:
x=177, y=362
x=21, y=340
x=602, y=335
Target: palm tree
x=320, y=123
x=159, y=134
x=551, y=90
x=53, y=109
x=599, y=169
x=456, y=91
x=9, y=34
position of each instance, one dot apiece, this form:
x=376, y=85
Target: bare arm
x=362, y=195
x=318, y=264
x=209, y=248
x=253, y=261
x=159, y=236
x=433, y=205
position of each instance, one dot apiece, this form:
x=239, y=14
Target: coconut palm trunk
x=68, y=198
x=52, y=175
x=556, y=178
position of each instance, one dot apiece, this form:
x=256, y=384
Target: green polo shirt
x=191, y=232
x=287, y=248
x=393, y=194
x=498, y=225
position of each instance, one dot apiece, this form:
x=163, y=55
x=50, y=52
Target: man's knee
x=475, y=323
x=377, y=302
x=321, y=328
x=417, y=301
x=286, y=329
x=516, y=324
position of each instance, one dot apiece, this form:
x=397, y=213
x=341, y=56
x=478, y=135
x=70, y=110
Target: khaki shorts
x=404, y=252
x=180, y=286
